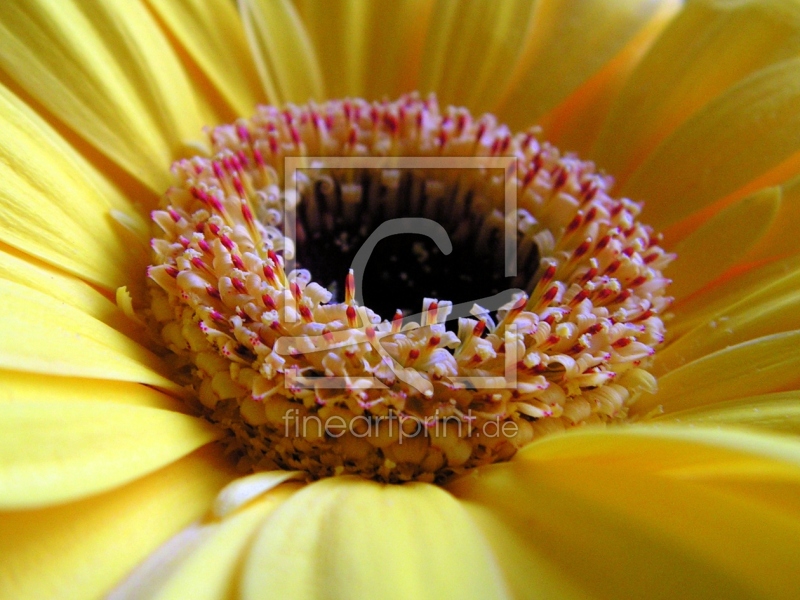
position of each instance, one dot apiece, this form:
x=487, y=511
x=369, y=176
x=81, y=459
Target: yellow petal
x=732, y=140
x=52, y=203
x=772, y=310
x=751, y=464
x=529, y=573
x=708, y=47
x=203, y=562
x=708, y=252
x=568, y=43
x=781, y=239
x=746, y=289
x=471, y=49
x=52, y=451
x=41, y=335
x=28, y=271
x=284, y=55
x=671, y=450
x=342, y=56
x=348, y=60
x=759, y=366
x=350, y=538
x=107, y=71
x=245, y=489
x=82, y=549
x=212, y=33
x=618, y=531
x=24, y=387
x=778, y=412
x=576, y=122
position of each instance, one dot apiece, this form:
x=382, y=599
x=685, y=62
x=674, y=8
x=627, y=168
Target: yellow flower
x=108, y=482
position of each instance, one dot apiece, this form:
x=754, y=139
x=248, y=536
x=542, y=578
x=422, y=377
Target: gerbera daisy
x=647, y=444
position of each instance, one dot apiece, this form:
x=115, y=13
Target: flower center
x=289, y=265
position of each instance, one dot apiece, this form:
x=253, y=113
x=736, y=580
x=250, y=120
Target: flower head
x=573, y=339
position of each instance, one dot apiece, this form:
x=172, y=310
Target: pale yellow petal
x=615, y=530
x=212, y=33
x=707, y=48
x=351, y=538
x=377, y=48
x=204, y=562
x=245, y=489
x=471, y=49
x=52, y=450
x=569, y=41
x=779, y=412
x=39, y=334
x=80, y=550
x=732, y=140
x=708, y=252
x=759, y=366
x=283, y=52
x=53, y=205
x=108, y=72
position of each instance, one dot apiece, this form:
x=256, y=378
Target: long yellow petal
x=342, y=55
x=635, y=528
x=29, y=387
x=775, y=312
x=212, y=33
x=108, y=72
x=707, y=253
x=707, y=48
x=41, y=335
x=781, y=239
x=779, y=412
x=52, y=451
x=284, y=55
x=751, y=464
x=53, y=205
x=80, y=550
x=570, y=40
x=732, y=140
x=576, y=122
x=203, y=563
x=759, y=366
x=748, y=288
x=348, y=60
x=672, y=450
x=530, y=572
x=471, y=49
x=350, y=538
x=27, y=271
